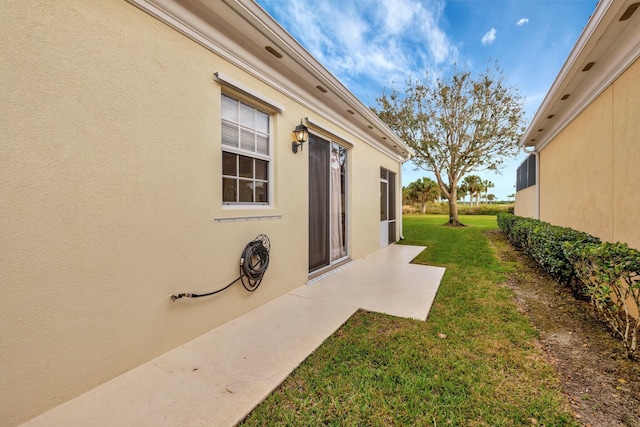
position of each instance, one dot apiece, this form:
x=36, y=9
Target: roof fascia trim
x=151, y=7
x=599, y=13
x=592, y=92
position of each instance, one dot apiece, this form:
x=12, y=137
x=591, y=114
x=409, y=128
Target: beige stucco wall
x=575, y=172
x=525, y=204
x=587, y=171
x=626, y=157
x=110, y=168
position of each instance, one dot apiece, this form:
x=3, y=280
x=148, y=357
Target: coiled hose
x=253, y=265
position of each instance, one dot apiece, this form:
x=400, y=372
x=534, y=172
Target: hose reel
x=254, y=262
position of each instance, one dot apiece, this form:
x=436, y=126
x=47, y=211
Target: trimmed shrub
x=606, y=274
x=505, y=223
x=610, y=273
x=544, y=243
x=546, y=247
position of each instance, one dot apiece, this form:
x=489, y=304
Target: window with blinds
x=526, y=174
x=245, y=153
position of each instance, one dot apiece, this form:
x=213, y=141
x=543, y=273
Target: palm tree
x=462, y=191
x=422, y=191
x=487, y=185
x=479, y=191
x=475, y=187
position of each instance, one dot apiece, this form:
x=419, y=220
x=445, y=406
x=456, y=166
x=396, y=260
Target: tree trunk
x=453, y=211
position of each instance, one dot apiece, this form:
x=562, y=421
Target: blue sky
x=373, y=45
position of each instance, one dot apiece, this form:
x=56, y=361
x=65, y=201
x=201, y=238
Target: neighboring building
x=143, y=144
x=585, y=138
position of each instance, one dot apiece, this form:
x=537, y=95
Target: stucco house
x=584, y=141
x=143, y=144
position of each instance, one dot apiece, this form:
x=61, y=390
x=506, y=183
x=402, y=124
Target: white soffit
x=240, y=31
x=612, y=46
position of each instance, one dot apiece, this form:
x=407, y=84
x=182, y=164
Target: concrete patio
x=218, y=378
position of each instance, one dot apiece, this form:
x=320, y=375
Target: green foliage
x=456, y=124
x=482, y=209
x=546, y=247
x=544, y=243
x=443, y=209
x=607, y=274
x=610, y=273
x=473, y=363
x=421, y=192
x=473, y=185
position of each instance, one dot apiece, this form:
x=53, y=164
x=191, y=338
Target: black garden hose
x=253, y=265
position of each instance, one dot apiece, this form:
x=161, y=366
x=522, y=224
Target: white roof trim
x=177, y=15
x=584, y=87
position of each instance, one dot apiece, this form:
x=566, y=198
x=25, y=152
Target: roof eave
x=584, y=86
x=239, y=30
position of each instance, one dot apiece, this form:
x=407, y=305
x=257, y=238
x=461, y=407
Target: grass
x=473, y=363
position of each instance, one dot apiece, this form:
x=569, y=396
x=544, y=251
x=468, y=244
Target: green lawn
x=473, y=363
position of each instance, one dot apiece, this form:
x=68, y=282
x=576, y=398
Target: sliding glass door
x=387, y=207
x=327, y=203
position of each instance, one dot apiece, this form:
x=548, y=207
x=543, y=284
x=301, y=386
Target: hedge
x=606, y=274
x=443, y=209
x=544, y=243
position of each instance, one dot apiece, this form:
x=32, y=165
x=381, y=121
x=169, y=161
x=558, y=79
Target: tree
x=487, y=185
x=422, y=191
x=462, y=192
x=491, y=197
x=406, y=196
x=456, y=125
x=475, y=186
x=465, y=190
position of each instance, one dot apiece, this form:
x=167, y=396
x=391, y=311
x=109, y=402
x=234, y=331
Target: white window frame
x=253, y=154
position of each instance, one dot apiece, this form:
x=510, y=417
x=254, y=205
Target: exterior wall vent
x=273, y=52
x=630, y=11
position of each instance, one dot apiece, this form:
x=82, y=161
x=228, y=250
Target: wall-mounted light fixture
x=301, y=134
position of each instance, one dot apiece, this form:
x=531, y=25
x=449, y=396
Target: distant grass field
x=474, y=362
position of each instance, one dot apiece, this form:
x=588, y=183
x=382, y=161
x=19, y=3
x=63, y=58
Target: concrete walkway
x=218, y=378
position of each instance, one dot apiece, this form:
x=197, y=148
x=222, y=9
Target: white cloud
x=489, y=37
x=522, y=21
x=439, y=44
x=397, y=15
x=382, y=41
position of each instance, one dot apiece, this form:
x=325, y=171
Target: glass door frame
x=344, y=158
